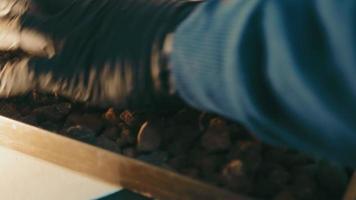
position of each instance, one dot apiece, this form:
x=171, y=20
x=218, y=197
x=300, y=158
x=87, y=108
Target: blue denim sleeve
x=284, y=68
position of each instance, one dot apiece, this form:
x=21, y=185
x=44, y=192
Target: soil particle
x=53, y=113
x=235, y=178
x=91, y=121
x=217, y=136
x=129, y=118
x=9, y=110
x=107, y=144
x=130, y=152
x=149, y=138
x=112, y=133
x=81, y=133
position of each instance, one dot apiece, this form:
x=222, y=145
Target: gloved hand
x=98, y=51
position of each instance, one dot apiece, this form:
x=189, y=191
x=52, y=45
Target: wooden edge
x=351, y=189
x=106, y=166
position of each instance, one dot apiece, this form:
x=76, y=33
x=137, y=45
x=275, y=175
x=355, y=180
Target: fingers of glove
x=37, y=44
x=68, y=19
x=99, y=86
x=52, y=7
x=13, y=38
x=16, y=78
x=13, y=8
x=9, y=36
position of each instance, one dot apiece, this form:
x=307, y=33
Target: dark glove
x=105, y=51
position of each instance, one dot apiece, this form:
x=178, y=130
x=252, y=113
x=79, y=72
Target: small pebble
x=210, y=164
x=178, y=162
x=129, y=118
x=92, y=121
x=305, y=187
x=130, y=152
x=180, y=138
x=265, y=184
x=235, y=177
x=43, y=99
x=279, y=177
x=107, y=144
x=112, y=133
x=126, y=138
x=157, y=158
x=148, y=138
x=29, y=119
x=50, y=126
x=111, y=116
x=9, y=110
x=187, y=117
x=217, y=137
x=53, y=113
x=81, y=133
x=216, y=140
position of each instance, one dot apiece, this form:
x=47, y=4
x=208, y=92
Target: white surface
x=26, y=178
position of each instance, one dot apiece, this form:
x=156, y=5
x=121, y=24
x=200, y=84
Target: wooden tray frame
x=105, y=166
x=112, y=168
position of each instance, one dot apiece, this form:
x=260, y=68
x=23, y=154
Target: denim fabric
x=285, y=68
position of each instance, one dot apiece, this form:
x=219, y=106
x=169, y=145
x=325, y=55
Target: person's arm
x=284, y=68
x=104, y=52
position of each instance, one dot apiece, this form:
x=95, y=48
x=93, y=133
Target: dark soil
x=200, y=145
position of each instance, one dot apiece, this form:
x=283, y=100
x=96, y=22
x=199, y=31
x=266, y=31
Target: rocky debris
x=149, y=137
x=53, y=113
x=248, y=151
x=107, y=144
x=276, y=156
x=81, y=133
x=89, y=120
x=129, y=118
x=296, y=158
x=178, y=162
x=270, y=179
x=203, y=146
x=43, y=99
x=186, y=116
x=111, y=116
x=180, y=138
x=130, y=152
x=279, y=177
x=157, y=158
x=9, y=110
x=239, y=132
x=305, y=187
x=332, y=178
x=203, y=120
x=49, y=125
x=127, y=138
x=209, y=164
x=235, y=177
x=112, y=133
x=29, y=119
x=216, y=137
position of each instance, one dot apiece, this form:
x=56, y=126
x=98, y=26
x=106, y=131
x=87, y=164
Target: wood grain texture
x=106, y=166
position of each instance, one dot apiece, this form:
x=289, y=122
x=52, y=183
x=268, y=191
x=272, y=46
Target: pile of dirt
x=200, y=145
